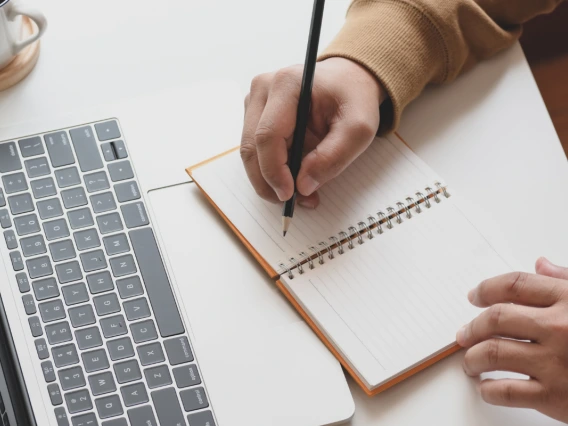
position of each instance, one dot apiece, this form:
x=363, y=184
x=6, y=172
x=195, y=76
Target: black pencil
x=303, y=113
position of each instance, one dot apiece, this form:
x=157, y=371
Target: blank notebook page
x=399, y=298
x=386, y=173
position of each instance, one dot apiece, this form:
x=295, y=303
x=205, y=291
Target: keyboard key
x=2, y=198
x=142, y=416
x=178, y=350
x=59, y=149
x=107, y=130
x=102, y=383
x=95, y=360
x=203, y=418
x=51, y=311
x=15, y=183
x=23, y=282
x=5, y=220
x=103, y=202
x=88, y=419
x=113, y=326
x=158, y=287
x=62, y=250
x=97, y=182
x=115, y=422
x=120, y=171
x=75, y=293
x=11, y=240
x=108, y=151
x=127, y=191
x=93, y=260
x=158, y=376
x=49, y=209
x=186, y=376
x=32, y=246
x=82, y=315
x=55, y=394
x=81, y=218
x=134, y=394
x=56, y=229
x=29, y=304
x=109, y=223
x=39, y=267
x=65, y=355
x=86, y=148
x=58, y=333
x=17, y=261
x=88, y=338
x=68, y=272
x=74, y=197
x=43, y=188
x=151, y=354
x=35, y=326
x=115, y=244
x=167, y=407
x=48, y=371
x=109, y=406
x=144, y=331
x=21, y=203
x=41, y=348
x=87, y=239
x=136, y=309
x=106, y=304
x=123, y=265
x=127, y=371
x=45, y=289
x=100, y=282
x=194, y=399
x=120, y=348
x=71, y=378
x=37, y=167
x=31, y=146
x=119, y=149
x=78, y=401
x=67, y=177
x=9, y=158
x=134, y=215
x=61, y=417
x=26, y=225
x=129, y=287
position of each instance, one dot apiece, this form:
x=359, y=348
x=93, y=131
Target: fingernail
x=471, y=294
x=461, y=336
x=309, y=185
x=307, y=203
x=280, y=194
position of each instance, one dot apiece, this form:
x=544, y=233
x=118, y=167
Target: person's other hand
x=343, y=122
x=525, y=330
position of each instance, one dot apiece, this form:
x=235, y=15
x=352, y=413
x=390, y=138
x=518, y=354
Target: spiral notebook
x=380, y=270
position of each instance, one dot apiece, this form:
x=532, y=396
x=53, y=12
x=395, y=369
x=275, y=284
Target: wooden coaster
x=24, y=62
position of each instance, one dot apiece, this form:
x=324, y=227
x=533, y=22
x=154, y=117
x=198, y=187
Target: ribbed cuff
x=399, y=45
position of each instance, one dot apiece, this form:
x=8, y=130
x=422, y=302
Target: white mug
x=11, y=42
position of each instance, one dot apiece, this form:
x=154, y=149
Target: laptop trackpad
x=261, y=363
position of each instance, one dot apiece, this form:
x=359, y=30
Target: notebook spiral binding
x=364, y=229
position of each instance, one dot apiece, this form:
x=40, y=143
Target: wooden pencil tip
x=285, y=224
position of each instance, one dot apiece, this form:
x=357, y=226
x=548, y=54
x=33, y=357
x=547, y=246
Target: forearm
x=408, y=44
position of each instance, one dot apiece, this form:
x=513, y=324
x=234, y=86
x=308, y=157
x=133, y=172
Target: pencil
x=303, y=113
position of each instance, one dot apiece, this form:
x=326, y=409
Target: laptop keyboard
x=108, y=333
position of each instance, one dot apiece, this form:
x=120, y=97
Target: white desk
x=511, y=169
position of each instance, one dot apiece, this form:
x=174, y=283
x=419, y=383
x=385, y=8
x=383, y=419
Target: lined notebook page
x=387, y=172
x=399, y=298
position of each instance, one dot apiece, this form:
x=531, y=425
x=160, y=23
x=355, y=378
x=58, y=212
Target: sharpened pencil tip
x=285, y=225
x=284, y=233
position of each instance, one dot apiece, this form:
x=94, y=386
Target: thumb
x=549, y=269
x=340, y=147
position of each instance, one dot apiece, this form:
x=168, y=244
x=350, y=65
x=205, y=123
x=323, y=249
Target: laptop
x=124, y=300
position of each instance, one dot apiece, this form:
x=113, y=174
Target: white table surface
x=488, y=135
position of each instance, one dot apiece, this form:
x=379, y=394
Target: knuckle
x=286, y=75
x=363, y=129
x=493, y=352
x=247, y=151
x=495, y=316
x=516, y=283
x=507, y=394
x=263, y=135
x=259, y=82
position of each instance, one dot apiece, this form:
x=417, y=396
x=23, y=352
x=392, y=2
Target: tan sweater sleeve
x=408, y=44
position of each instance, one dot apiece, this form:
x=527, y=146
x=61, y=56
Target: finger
x=512, y=393
x=345, y=141
x=502, y=320
x=520, y=288
x=275, y=130
x=255, y=105
x=504, y=355
x=310, y=202
x=549, y=269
